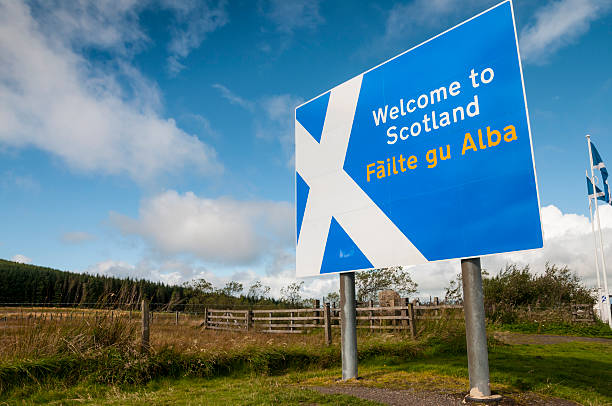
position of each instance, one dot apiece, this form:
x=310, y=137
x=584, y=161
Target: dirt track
x=395, y=397
x=420, y=396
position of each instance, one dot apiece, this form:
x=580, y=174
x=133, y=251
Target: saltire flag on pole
x=599, y=164
x=600, y=195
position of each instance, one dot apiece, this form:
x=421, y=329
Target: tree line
x=31, y=284
x=512, y=286
x=516, y=285
x=24, y=283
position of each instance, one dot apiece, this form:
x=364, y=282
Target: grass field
x=97, y=361
x=582, y=330
x=570, y=371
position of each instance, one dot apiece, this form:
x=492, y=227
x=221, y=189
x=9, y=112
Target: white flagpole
x=601, y=308
x=603, y=259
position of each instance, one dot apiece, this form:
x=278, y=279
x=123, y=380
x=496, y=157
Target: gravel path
x=406, y=397
x=392, y=396
x=420, y=396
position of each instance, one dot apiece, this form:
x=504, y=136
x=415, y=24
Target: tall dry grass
x=104, y=347
x=26, y=336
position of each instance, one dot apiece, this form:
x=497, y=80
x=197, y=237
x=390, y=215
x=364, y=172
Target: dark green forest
x=22, y=283
x=29, y=284
x=36, y=285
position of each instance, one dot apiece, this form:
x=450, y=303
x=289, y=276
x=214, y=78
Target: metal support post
x=348, y=325
x=475, y=330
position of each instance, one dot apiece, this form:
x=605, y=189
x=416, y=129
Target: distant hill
x=23, y=283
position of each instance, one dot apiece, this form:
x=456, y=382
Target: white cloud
x=276, y=122
x=410, y=18
x=233, y=97
x=557, y=24
x=177, y=272
x=26, y=183
x=77, y=237
x=273, y=116
x=111, y=25
x=568, y=241
x=53, y=99
x=314, y=288
x=194, y=20
x=291, y=15
x=200, y=122
x=22, y=259
x=220, y=230
x=165, y=273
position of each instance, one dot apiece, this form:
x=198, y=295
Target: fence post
x=411, y=314
x=145, y=345
x=404, y=313
x=371, y=314
x=317, y=314
x=176, y=318
x=394, y=312
x=249, y=319
x=205, y=324
x=327, y=321
x=437, y=303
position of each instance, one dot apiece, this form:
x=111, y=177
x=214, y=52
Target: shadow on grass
x=572, y=371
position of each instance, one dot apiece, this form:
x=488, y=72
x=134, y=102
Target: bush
x=515, y=286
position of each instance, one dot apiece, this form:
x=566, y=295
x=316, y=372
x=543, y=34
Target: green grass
x=115, y=367
x=113, y=372
x=246, y=390
x=582, y=330
x=576, y=371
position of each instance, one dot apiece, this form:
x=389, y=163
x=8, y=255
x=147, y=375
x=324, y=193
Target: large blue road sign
x=425, y=157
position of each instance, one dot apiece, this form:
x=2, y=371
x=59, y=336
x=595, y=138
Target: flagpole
x=603, y=258
x=601, y=308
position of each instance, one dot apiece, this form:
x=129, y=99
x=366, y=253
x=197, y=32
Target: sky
x=154, y=139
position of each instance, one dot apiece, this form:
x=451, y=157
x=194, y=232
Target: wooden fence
x=400, y=316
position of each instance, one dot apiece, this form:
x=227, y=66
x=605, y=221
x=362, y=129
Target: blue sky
x=155, y=138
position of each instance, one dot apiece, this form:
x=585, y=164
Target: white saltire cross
x=334, y=193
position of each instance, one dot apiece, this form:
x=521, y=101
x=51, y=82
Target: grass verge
x=574, y=371
x=587, y=330
x=577, y=371
x=186, y=391
x=101, y=361
x=115, y=367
